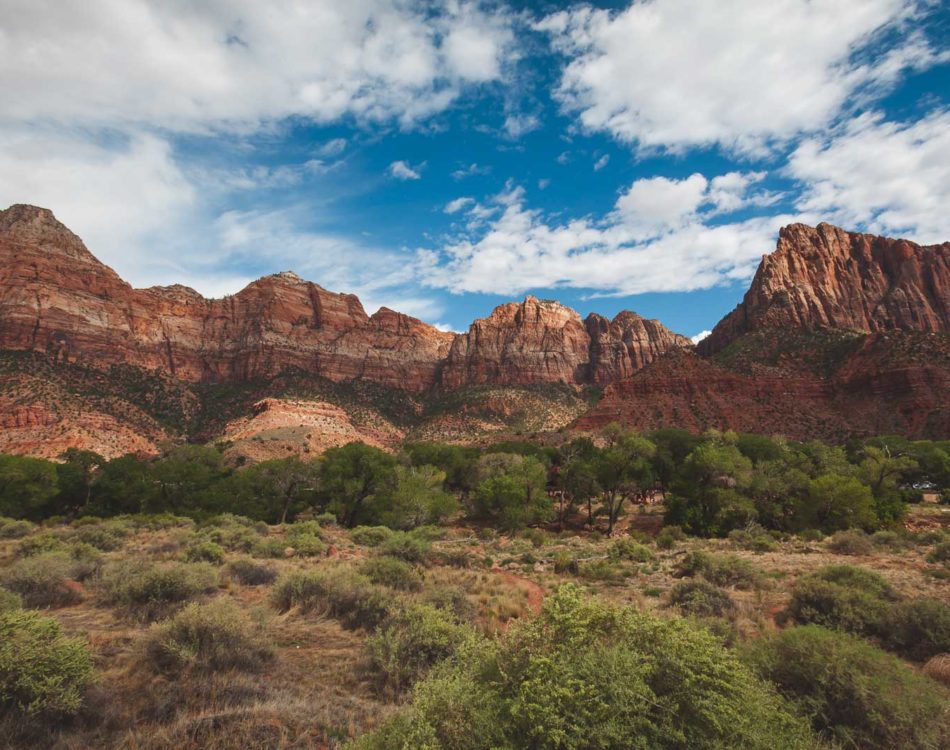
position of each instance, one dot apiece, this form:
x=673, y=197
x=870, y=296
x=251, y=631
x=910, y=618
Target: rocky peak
x=825, y=277
x=25, y=225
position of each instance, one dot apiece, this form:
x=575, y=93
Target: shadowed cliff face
x=826, y=277
x=57, y=298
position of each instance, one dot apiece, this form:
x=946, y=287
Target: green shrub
x=10, y=600
x=326, y=519
x=565, y=562
x=308, y=545
x=918, y=629
x=250, y=573
x=338, y=592
x=889, y=540
x=411, y=641
x=811, y=535
x=855, y=693
x=669, y=536
x=629, y=549
x=392, y=572
x=701, y=599
x=41, y=671
x=207, y=638
x=40, y=544
x=370, y=536
x=723, y=570
x=602, y=570
x=940, y=553
x=267, y=548
x=148, y=591
x=537, y=537
x=406, y=546
x=754, y=538
x=304, y=528
x=851, y=542
x=588, y=674
x=43, y=580
x=454, y=558
x=105, y=535
x=451, y=599
x=15, y=529
x=205, y=551
x=87, y=560
x=842, y=597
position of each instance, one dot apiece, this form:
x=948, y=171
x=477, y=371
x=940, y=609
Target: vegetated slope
x=840, y=333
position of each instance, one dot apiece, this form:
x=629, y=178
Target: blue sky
x=442, y=157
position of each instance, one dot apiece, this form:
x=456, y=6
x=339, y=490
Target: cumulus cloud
x=402, y=171
x=658, y=237
x=885, y=177
x=699, y=336
x=470, y=170
x=236, y=63
x=740, y=73
x=453, y=207
x=517, y=125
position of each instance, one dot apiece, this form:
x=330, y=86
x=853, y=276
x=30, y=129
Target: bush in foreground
x=588, y=674
x=43, y=580
x=918, y=629
x=251, y=573
x=344, y=594
x=207, y=637
x=722, y=570
x=42, y=672
x=393, y=572
x=149, y=591
x=858, y=695
x=411, y=641
x=701, y=599
x=843, y=597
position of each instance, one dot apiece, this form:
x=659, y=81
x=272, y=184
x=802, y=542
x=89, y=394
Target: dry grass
x=315, y=692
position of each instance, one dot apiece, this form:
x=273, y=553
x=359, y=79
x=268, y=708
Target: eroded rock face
x=57, y=298
x=825, y=277
x=542, y=341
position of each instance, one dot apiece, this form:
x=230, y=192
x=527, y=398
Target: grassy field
x=313, y=680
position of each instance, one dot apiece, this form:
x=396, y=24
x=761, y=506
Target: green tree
x=624, y=473
x=183, y=476
x=511, y=490
x=351, y=476
x=882, y=470
x=76, y=476
x=28, y=487
x=270, y=491
x=833, y=502
x=707, y=496
x=416, y=498
x=123, y=485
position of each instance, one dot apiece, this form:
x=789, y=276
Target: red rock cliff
x=57, y=298
x=825, y=277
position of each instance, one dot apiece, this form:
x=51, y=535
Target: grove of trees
x=711, y=484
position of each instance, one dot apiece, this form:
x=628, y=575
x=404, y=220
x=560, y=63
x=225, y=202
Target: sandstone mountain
x=825, y=277
x=839, y=334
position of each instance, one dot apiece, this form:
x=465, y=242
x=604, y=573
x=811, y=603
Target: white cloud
x=630, y=251
x=470, y=171
x=237, y=63
x=517, y=125
x=659, y=204
x=543, y=183
x=331, y=148
x=402, y=171
x=885, y=177
x=699, y=336
x=114, y=195
x=601, y=162
x=457, y=205
x=766, y=72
